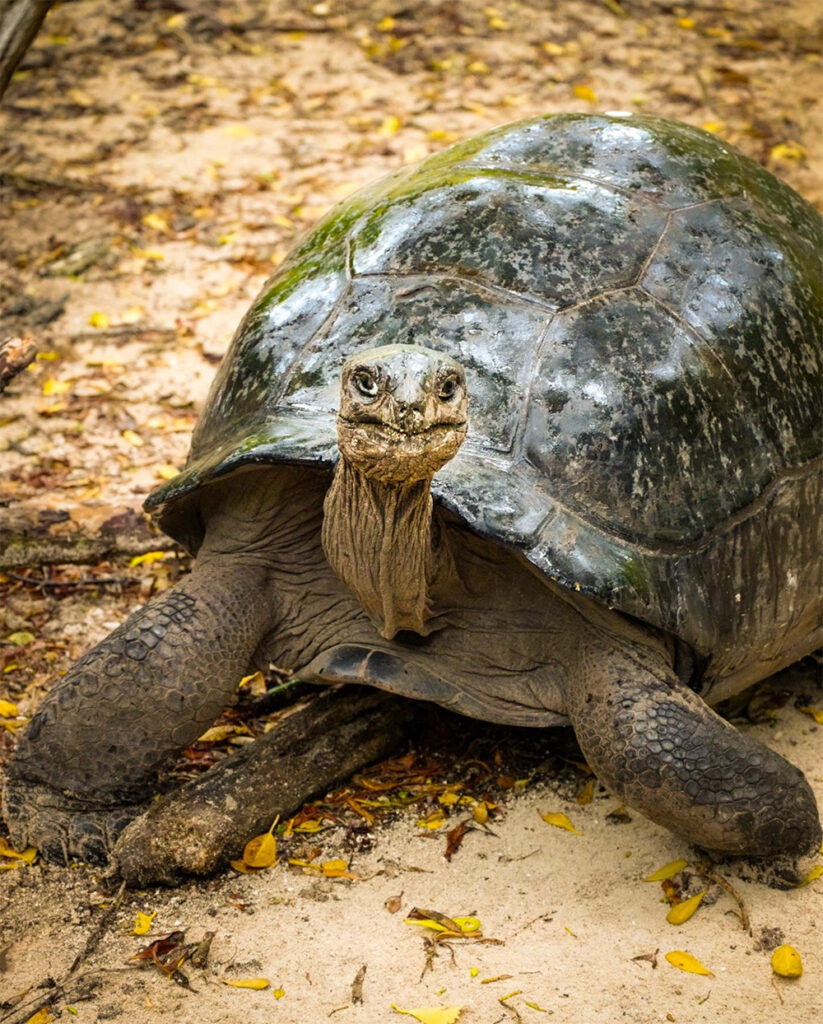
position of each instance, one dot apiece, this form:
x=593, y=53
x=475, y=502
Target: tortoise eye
x=365, y=383
x=448, y=388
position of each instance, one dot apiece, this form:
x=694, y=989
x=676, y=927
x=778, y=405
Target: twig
x=713, y=876
x=99, y=930
x=101, y=581
x=71, y=984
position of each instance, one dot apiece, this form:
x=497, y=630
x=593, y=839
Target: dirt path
x=156, y=162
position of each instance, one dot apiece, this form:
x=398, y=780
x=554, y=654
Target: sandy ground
x=156, y=162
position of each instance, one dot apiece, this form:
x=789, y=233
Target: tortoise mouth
x=378, y=426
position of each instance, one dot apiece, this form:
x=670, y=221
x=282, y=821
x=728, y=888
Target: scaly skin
x=86, y=764
x=656, y=745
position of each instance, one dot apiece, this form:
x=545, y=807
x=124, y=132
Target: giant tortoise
x=531, y=430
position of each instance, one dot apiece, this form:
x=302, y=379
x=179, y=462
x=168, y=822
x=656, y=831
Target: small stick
x=713, y=876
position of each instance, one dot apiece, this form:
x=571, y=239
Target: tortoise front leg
x=656, y=745
x=87, y=762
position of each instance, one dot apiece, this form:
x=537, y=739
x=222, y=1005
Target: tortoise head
x=403, y=412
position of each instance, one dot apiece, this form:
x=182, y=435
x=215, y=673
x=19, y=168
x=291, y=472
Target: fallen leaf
x=674, y=867
x=147, y=558
x=440, y=923
x=167, y=471
x=686, y=962
x=433, y=820
x=99, y=320
x=390, y=126
x=134, y=439
x=816, y=713
x=56, y=387
x=681, y=912
x=453, y=839
x=686, y=23
x=18, y=857
x=815, y=873
x=586, y=794
x=261, y=852
x=7, y=709
x=256, y=983
x=787, y=151
x=583, y=92
x=786, y=962
x=559, y=820
x=279, y=993
x=42, y=1016
x=157, y=222
x=143, y=922
x=432, y=1014
x=238, y=131
x=20, y=638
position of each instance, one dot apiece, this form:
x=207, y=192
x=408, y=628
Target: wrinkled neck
x=383, y=543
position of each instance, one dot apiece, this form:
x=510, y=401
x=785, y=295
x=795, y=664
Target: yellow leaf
x=156, y=221
x=713, y=126
x=147, y=558
x=143, y=922
x=56, y=387
x=82, y=99
x=238, y=131
x=583, y=92
x=260, y=852
x=479, y=67
x=553, y=49
x=41, y=1017
x=385, y=24
x=390, y=126
x=334, y=868
x=100, y=320
x=27, y=856
x=496, y=22
x=787, y=151
x=279, y=993
x=147, y=254
x=7, y=709
x=441, y=135
x=815, y=873
x=218, y=733
x=480, y=812
x=448, y=799
x=166, y=471
x=240, y=866
x=467, y=925
x=674, y=867
x=310, y=827
x=255, y=682
x=255, y=983
x=686, y=962
x=432, y=1014
x=433, y=820
x=687, y=23
x=133, y=438
x=559, y=820
x=586, y=794
x=20, y=638
x=682, y=911
x=816, y=713
x=786, y=962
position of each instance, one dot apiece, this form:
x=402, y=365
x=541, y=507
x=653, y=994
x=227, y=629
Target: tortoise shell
x=639, y=310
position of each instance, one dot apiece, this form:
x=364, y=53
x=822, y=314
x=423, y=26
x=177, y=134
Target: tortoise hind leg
x=660, y=748
x=87, y=762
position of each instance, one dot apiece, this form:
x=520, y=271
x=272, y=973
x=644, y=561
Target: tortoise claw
x=64, y=829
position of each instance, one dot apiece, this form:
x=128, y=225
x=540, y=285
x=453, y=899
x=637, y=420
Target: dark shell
x=639, y=309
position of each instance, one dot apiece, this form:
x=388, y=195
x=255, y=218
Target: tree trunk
x=19, y=24
x=15, y=355
x=47, y=532
x=195, y=830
